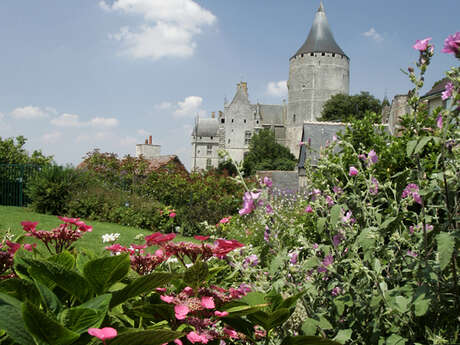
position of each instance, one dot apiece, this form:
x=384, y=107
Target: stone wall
x=283, y=180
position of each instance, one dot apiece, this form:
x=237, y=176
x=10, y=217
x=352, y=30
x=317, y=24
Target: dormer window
x=244, y=120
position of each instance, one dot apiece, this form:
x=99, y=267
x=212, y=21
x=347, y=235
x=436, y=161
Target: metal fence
x=13, y=180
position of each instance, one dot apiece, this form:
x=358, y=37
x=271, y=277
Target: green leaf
x=64, y=259
x=46, y=329
x=421, y=144
x=395, y=339
x=102, y=273
x=21, y=289
x=68, y=280
x=401, y=304
x=387, y=222
x=254, y=298
x=149, y=337
x=245, y=309
x=324, y=323
x=446, y=244
x=240, y=325
x=320, y=225
x=310, y=326
x=11, y=321
x=8, y=300
x=410, y=147
x=336, y=212
x=307, y=340
x=343, y=335
x=139, y=286
x=422, y=301
x=196, y=274
x=291, y=302
x=80, y=319
x=276, y=264
x=49, y=300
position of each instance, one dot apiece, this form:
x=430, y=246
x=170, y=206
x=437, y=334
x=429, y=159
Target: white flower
x=110, y=237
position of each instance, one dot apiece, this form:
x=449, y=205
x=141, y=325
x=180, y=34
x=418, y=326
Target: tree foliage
x=266, y=154
x=12, y=151
x=342, y=107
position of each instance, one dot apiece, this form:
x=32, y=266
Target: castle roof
x=437, y=88
x=206, y=127
x=320, y=38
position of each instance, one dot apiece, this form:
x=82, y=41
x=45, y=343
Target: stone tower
x=317, y=71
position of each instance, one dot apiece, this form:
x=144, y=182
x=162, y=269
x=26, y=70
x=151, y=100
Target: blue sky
x=79, y=75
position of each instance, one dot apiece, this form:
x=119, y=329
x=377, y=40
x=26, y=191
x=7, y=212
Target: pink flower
x=422, y=45
x=353, y=171
x=223, y=247
x=207, y=302
x=231, y=333
x=161, y=290
x=336, y=291
x=372, y=157
x=268, y=182
x=412, y=190
x=181, y=311
x=452, y=44
x=172, y=214
x=188, y=290
x=337, y=239
x=194, y=337
x=439, y=122
x=447, y=93
x=30, y=247
x=411, y=253
x=29, y=226
x=329, y=201
x=328, y=260
x=178, y=342
x=248, y=202
x=221, y=313
x=308, y=209
x=167, y=299
x=103, y=333
x=201, y=238
x=158, y=237
x=224, y=220
x=374, y=188
x=293, y=258
x=269, y=209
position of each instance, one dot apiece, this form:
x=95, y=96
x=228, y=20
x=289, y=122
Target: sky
x=86, y=74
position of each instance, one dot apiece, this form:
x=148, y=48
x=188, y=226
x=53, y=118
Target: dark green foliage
x=227, y=168
x=343, y=108
x=266, y=154
x=12, y=151
x=52, y=188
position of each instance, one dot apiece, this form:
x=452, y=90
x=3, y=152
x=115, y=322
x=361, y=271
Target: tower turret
x=317, y=71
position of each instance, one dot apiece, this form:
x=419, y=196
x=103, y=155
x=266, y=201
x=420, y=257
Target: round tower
x=317, y=71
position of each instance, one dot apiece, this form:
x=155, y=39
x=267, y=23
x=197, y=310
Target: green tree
x=266, y=154
x=342, y=107
x=12, y=151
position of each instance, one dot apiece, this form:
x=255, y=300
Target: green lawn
x=11, y=218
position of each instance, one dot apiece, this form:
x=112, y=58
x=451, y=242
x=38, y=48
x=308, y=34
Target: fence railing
x=13, y=180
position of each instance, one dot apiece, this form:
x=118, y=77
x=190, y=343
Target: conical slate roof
x=320, y=38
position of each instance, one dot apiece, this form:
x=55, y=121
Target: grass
x=11, y=218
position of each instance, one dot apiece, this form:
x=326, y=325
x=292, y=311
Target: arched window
x=293, y=118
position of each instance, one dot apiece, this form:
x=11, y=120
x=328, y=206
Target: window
x=257, y=121
x=232, y=120
x=323, y=54
x=244, y=120
x=247, y=137
x=209, y=150
x=229, y=141
x=208, y=163
x=222, y=120
x=312, y=54
x=212, y=138
x=293, y=118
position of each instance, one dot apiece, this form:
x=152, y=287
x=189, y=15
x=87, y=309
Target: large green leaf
x=421, y=144
x=410, y=147
x=49, y=300
x=421, y=301
x=446, y=244
x=343, y=336
x=395, y=339
x=64, y=259
x=148, y=337
x=307, y=340
x=245, y=309
x=68, y=280
x=140, y=286
x=253, y=298
x=336, y=212
x=8, y=300
x=88, y=315
x=21, y=289
x=102, y=273
x=46, y=329
x=11, y=321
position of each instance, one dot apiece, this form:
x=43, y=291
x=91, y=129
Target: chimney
x=221, y=113
x=244, y=86
x=146, y=141
x=213, y=114
x=150, y=140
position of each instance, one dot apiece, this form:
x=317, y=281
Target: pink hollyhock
x=329, y=201
x=308, y=209
x=353, y=171
x=103, y=333
x=372, y=157
x=268, y=182
x=328, y=260
x=374, y=188
x=439, y=122
x=336, y=291
x=178, y=341
x=181, y=311
x=422, y=45
x=221, y=313
x=412, y=190
x=172, y=214
x=224, y=220
x=447, y=93
x=207, y=302
x=452, y=44
x=158, y=238
x=194, y=337
x=201, y=238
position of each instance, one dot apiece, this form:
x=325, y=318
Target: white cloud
x=189, y=107
x=67, y=120
x=169, y=27
x=277, y=89
x=52, y=137
x=29, y=112
x=103, y=122
x=163, y=106
x=373, y=34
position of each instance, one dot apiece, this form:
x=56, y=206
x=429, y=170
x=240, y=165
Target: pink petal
x=181, y=311
x=178, y=341
x=221, y=313
x=167, y=299
x=207, y=302
x=103, y=333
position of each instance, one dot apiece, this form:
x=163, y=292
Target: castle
x=318, y=70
